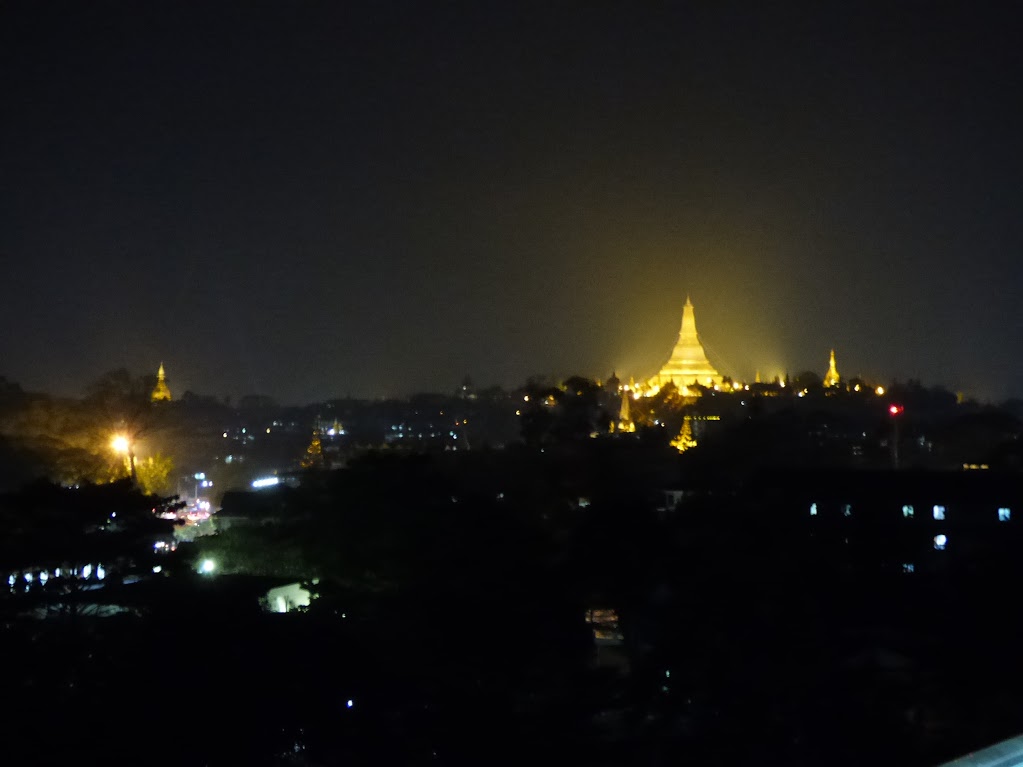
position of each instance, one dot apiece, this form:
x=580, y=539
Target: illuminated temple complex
x=688, y=363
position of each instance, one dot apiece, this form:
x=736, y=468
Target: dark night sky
x=315, y=199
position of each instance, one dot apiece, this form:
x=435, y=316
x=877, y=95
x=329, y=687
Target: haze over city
x=308, y=201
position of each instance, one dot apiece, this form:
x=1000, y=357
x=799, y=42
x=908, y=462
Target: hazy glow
x=119, y=443
x=266, y=482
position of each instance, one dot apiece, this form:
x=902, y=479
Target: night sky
x=310, y=200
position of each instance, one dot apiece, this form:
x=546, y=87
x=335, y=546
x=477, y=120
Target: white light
x=939, y=512
x=265, y=482
x=87, y=572
x=158, y=569
x=200, y=475
x=907, y=512
x=350, y=703
x=56, y=573
x=1004, y=514
x=208, y=566
x=101, y=572
x=940, y=541
x=11, y=580
x=44, y=576
x=813, y=509
x=28, y=577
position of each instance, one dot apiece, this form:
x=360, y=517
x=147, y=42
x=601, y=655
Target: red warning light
x=895, y=409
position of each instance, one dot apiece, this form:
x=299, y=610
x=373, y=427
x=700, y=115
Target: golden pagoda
x=688, y=363
x=684, y=441
x=625, y=422
x=831, y=378
x=160, y=392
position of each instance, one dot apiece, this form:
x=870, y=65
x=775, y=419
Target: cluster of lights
x=30, y=578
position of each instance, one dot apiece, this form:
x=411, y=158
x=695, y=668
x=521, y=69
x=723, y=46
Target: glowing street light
x=121, y=444
x=207, y=566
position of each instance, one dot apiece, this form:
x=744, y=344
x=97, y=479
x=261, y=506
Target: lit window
x=939, y=512
x=1004, y=513
x=813, y=509
x=940, y=542
x=847, y=510
x=907, y=512
x=908, y=567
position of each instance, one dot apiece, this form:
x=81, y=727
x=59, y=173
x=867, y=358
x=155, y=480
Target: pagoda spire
x=161, y=392
x=688, y=363
x=831, y=378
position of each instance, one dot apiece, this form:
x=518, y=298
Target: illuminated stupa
x=831, y=378
x=161, y=393
x=688, y=363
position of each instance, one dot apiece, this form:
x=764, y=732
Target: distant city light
x=879, y=391
x=207, y=566
x=119, y=443
x=265, y=482
x=350, y=703
x=940, y=541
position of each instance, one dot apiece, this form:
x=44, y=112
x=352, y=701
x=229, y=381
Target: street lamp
x=121, y=444
x=895, y=411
